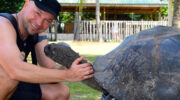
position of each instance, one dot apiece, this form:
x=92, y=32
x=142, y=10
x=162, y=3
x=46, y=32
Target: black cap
x=51, y=6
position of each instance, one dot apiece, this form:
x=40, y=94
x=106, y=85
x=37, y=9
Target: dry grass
x=92, y=48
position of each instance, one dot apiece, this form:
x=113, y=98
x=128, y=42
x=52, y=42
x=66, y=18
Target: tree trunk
x=176, y=17
x=170, y=12
x=77, y=27
x=98, y=30
x=77, y=21
x=55, y=27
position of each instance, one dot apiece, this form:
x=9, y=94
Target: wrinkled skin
x=146, y=66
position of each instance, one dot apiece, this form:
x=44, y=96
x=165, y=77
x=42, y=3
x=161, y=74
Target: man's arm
x=17, y=69
x=42, y=59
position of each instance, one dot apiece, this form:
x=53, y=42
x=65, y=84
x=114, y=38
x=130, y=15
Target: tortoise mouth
x=107, y=96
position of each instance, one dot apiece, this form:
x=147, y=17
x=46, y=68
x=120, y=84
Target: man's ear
x=26, y=4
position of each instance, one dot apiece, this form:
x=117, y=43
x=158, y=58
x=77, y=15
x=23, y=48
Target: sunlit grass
x=80, y=91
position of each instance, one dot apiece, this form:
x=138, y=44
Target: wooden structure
x=115, y=6
x=109, y=7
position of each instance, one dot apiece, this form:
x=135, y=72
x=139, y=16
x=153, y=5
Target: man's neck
x=23, y=34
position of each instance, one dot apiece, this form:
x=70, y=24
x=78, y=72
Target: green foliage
x=81, y=5
x=88, y=16
x=134, y=16
x=164, y=12
x=11, y=6
x=70, y=16
x=145, y=17
x=67, y=17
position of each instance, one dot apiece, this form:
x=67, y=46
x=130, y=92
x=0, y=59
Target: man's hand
x=78, y=72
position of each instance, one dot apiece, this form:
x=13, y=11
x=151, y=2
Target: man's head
x=37, y=15
x=51, y=6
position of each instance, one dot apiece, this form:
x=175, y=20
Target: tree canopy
x=11, y=6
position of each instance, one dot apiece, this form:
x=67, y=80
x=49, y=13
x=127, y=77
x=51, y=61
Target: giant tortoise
x=146, y=66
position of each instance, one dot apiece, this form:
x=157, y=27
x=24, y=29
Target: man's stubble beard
x=25, y=26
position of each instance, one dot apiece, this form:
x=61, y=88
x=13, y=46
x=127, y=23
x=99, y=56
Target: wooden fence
x=115, y=30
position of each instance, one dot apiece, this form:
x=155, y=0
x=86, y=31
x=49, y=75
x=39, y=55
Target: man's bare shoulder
x=8, y=47
x=6, y=30
x=4, y=20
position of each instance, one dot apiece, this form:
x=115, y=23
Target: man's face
x=36, y=20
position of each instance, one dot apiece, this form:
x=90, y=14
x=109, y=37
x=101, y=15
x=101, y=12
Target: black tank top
x=25, y=91
x=25, y=46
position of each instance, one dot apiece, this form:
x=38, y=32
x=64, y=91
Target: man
x=18, y=79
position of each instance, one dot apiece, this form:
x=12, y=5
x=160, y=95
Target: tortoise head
x=61, y=53
x=51, y=50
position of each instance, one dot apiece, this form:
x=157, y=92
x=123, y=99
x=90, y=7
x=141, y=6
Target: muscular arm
x=43, y=60
x=13, y=65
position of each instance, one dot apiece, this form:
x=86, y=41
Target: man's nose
x=39, y=22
